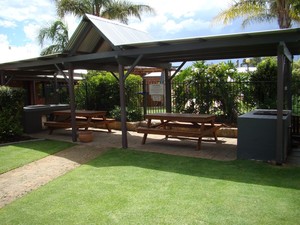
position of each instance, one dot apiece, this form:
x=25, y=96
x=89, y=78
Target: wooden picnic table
x=84, y=119
x=195, y=125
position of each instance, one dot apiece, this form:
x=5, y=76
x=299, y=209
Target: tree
x=251, y=61
x=57, y=34
x=264, y=83
x=284, y=11
x=109, y=9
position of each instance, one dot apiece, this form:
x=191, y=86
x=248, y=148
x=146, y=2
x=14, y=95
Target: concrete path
x=16, y=183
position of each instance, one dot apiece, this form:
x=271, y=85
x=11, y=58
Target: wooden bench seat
x=177, y=133
x=187, y=127
x=172, y=132
x=97, y=122
x=100, y=120
x=198, y=126
x=52, y=125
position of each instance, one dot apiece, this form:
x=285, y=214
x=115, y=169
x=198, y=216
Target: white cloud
x=171, y=26
x=12, y=53
x=26, y=17
x=187, y=8
x=19, y=11
x=31, y=31
x=3, y=40
x=72, y=23
x=174, y=17
x=7, y=23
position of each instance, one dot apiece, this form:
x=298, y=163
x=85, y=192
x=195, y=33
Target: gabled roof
x=96, y=34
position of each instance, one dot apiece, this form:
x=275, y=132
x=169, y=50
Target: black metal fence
x=227, y=100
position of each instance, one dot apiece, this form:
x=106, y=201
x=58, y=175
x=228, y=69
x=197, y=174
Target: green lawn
x=131, y=187
x=16, y=155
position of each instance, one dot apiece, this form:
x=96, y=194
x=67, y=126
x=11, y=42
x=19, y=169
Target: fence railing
x=227, y=100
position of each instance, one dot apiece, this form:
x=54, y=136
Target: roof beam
x=285, y=51
x=233, y=46
x=178, y=69
x=127, y=61
x=134, y=64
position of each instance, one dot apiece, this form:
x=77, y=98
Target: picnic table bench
x=84, y=119
x=97, y=122
x=186, y=125
x=52, y=125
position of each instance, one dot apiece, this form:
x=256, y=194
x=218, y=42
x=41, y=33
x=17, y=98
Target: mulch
x=15, y=139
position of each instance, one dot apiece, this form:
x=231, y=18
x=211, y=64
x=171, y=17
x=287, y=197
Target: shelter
x=101, y=44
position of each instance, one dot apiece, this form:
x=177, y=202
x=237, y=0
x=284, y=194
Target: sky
x=20, y=21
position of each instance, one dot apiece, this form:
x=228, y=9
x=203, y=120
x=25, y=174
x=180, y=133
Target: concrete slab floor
x=224, y=149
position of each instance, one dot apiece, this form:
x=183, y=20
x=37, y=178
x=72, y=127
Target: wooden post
x=168, y=91
x=72, y=103
x=284, y=58
x=2, y=78
x=123, y=106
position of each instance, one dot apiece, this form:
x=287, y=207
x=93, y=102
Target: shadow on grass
x=15, y=155
x=237, y=171
x=46, y=146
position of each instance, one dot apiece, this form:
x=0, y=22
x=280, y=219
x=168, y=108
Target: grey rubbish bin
x=35, y=115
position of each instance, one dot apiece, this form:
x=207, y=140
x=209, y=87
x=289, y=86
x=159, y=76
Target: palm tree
x=57, y=34
x=284, y=11
x=109, y=9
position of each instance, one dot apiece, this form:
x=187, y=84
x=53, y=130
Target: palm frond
x=57, y=34
x=257, y=19
x=285, y=11
x=241, y=9
x=75, y=7
x=121, y=10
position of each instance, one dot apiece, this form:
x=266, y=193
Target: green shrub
x=208, y=89
x=132, y=114
x=264, y=83
x=100, y=91
x=11, y=107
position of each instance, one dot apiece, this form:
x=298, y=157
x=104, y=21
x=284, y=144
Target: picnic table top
x=84, y=113
x=182, y=117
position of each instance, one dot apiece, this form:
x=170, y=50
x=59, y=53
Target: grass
x=131, y=187
x=15, y=155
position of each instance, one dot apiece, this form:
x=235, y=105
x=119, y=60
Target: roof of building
x=100, y=44
x=96, y=34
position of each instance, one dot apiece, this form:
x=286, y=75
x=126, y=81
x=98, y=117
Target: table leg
x=89, y=119
x=145, y=134
x=165, y=127
x=144, y=139
x=199, y=143
x=106, y=124
x=214, y=131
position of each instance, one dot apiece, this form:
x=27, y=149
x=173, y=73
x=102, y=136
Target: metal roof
x=100, y=44
x=96, y=34
x=251, y=44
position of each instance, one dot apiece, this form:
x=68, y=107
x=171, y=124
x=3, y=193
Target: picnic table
x=195, y=125
x=84, y=119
